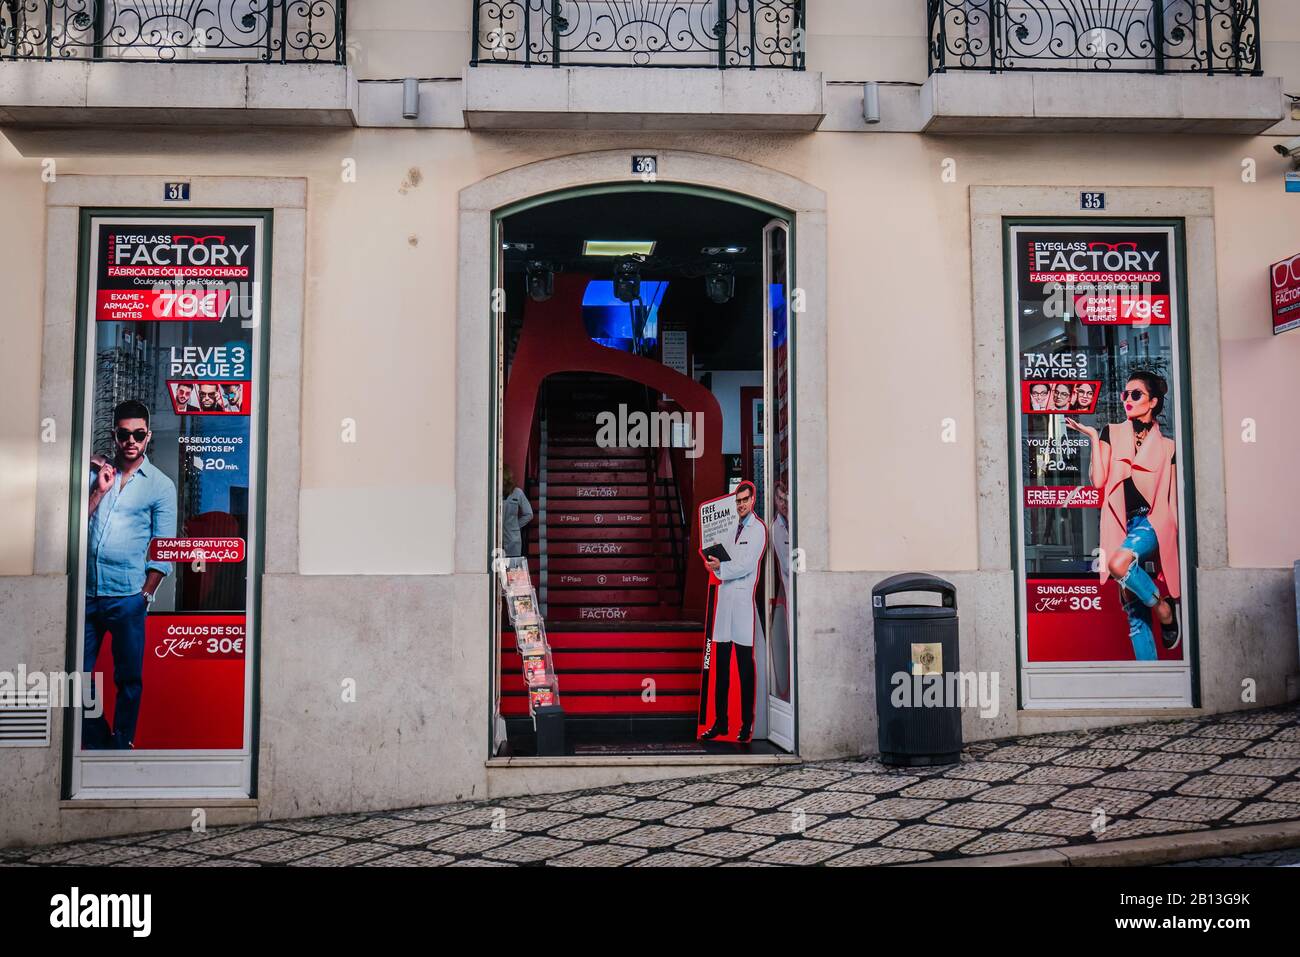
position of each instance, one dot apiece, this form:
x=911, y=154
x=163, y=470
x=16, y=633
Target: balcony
x=1098, y=65
x=715, y=34
x=109, y=62
x=683, y=64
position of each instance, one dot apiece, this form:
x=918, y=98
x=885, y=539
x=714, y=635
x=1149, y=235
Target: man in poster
x=131, y=503
x=735, y=617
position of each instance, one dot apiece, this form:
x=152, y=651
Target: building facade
x=866, y=243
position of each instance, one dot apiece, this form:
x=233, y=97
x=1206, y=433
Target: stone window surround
x=64, y=199
x=989, y=205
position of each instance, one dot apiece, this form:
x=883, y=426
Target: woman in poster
x=1133, y=465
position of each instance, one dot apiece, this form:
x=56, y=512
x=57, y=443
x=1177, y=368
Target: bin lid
x=915, y=612
x=914, y=582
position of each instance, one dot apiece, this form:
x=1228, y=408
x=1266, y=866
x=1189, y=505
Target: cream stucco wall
x=381, y=280
x=20, y=336
x=848, y=40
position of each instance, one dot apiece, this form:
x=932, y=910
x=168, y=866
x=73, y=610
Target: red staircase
x=607, y=555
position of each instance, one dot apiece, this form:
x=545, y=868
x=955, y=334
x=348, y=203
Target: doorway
x=642, y=366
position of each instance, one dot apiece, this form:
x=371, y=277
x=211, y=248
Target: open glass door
x=776, y=489
x=497, y=736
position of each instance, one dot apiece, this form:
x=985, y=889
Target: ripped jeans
x=1141, y=541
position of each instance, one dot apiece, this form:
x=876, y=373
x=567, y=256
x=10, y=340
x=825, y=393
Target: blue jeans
x=1141, y=541
x=123, y=618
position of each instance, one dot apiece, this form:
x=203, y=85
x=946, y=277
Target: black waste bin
x=917, y=673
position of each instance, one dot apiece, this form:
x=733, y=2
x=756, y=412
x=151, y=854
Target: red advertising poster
x=1099, y=480
x=170, y=472
x=1284, y=294
x=194, y=670
x=733, y=541
x=1080, y=619
x=1054, y=396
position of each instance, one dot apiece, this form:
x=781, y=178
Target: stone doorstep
x=1144, y=851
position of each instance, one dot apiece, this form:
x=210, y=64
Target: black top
x=1135, y=502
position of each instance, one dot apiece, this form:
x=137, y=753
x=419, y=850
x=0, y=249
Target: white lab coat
x=736, y=616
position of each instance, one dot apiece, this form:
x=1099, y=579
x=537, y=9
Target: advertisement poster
x=733, y=544
x=1097, y=421
x=169, y=475
x=1284, y=294
x=718, y=521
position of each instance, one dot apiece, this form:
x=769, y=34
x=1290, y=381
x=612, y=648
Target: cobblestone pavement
x=1286, y=858
x=1021, y=794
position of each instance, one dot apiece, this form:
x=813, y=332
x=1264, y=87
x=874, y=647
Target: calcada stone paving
x=1029, y=793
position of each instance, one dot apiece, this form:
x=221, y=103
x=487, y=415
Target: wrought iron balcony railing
x=721, y=34
x=229, y=31
x=1119, y=36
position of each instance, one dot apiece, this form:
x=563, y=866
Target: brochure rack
x=530, y=640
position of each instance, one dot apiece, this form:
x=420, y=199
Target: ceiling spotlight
x=627, y=280
x=541, y=281
x=723, y=250
x=517, y=247
x=720, y=283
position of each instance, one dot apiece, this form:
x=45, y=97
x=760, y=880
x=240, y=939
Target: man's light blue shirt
x=118, y=535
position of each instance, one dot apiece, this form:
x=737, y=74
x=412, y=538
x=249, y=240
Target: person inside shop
x=131, y=503
x=1133, y=464
x=735, y=617
x=1039, y=393
x=515, y=514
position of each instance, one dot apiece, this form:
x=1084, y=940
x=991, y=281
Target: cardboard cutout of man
x=735, y=623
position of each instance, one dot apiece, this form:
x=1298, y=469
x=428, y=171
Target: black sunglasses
x=1137, y=395
x=139, y=435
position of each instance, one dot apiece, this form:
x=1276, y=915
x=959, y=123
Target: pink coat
x=1153, y=472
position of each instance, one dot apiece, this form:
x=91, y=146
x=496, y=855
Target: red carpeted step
x=556, y=478
x=611, y=614
x=643, y=640
x=567, y=463
x=589, y=451
x=597, y=505
x=617, y=683
x=596, y=534
x=605, y=580
x=556, y=519
x=516, y=705
x=586, y=564
x=603, y=596
x=606, y=549
x=596, y=492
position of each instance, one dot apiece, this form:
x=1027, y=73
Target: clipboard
x=716, y=551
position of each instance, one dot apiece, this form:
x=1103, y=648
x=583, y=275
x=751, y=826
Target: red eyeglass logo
x=1286, y=273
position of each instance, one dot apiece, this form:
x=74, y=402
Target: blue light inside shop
x=609, y=321
x=776, y=298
